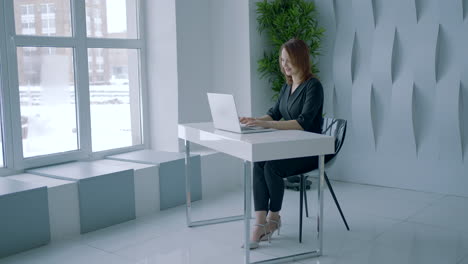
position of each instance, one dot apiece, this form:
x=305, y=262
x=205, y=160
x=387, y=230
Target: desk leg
x=187, y=184
x=188, y=194
x=320, y=204
x=247, y=210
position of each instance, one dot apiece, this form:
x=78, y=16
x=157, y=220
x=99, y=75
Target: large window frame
x=11, y=116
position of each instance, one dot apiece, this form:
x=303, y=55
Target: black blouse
x=304, y=105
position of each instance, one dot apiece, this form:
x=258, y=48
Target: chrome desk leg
x=188, y=193
x=320, y=205
x=247, y=210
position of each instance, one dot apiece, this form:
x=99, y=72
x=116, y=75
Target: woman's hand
x=258, y=122
x=245, y=120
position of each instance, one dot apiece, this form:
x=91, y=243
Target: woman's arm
x=246, y=120
x=282, y=125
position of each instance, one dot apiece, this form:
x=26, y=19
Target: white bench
x=171, y=167
x=24, y=218
x=106, y=194
x=63, y=204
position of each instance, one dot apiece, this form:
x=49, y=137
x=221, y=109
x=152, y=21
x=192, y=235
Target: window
x=115, y=104
x=112, y=19
x=73, y=74
x=48, y=19
x=43, y=17
x=47, y=101
x=28, y=26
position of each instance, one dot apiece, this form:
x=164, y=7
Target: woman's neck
x=296, y=80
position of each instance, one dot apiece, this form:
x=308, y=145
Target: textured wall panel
x=427, y=11
x=328, y=93
x=402, y=139
x=363, y=11
x=405, y=12
x=384, y=11
x=381, y=65
x=465, y=9
x=421, y=40
x=448, y=115
x=342, y=71
x=327, y=20
x=445, y=57
x=400, y=70
x=464, y=119
x=355, y=58
x=361, y=114
x=451, y=12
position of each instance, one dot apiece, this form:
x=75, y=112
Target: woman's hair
x=298, y=52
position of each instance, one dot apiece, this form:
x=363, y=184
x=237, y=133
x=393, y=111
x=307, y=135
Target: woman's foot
x=260, y=233
x=274, y=224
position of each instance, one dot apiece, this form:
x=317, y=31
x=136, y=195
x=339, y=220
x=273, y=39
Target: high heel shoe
x=253, y=244
x=272, y=230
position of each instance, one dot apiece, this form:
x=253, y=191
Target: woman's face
x=288, y=67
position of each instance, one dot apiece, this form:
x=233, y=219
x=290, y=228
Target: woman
x=300, y=105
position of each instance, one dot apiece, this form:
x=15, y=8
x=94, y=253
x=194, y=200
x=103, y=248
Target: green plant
x=282, y=20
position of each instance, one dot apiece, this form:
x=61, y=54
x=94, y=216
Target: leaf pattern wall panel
x=362, y=81
x=464, y=91
x=426, y=11
x=402, y=141
x=381, y=63
x=342, y=59
x=449, y=70
x=364, y=36
x=465, y=9
x=384, y=12
x=423, y=42
x=361, y=114
x=450, y=12
x=464, y=119
x=326, y=19
x=448, y=119
x=405, y=12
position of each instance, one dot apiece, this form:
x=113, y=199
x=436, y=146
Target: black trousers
x=268, y=184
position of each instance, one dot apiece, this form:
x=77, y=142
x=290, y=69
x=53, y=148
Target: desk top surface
x=279, y=144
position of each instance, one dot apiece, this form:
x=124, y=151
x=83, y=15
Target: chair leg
x=301, y=198
x=336, y=201
x=305, y=197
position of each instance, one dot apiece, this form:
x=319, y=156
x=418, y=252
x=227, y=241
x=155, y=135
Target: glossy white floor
x=387, y=226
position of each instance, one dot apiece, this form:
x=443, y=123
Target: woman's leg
x=261, y=199
x=276, y=170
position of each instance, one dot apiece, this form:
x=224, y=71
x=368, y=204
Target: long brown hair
x=298, y=52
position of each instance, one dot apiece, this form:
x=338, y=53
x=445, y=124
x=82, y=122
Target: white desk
x=281, y=144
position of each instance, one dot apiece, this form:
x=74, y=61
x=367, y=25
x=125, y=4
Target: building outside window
x=48, y=68
x=48, y=19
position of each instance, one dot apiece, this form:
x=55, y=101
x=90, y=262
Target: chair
x=331, y=127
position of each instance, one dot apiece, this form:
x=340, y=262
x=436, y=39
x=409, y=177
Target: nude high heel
x=271, y=232
x=264, y=237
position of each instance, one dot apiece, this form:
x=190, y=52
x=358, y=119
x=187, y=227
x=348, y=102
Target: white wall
x=397, y=71
x=261, y=93
x=194, y=47
x=162, y=81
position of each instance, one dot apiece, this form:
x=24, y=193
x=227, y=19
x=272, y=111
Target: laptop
x=224, y=113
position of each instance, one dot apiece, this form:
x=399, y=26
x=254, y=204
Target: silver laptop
x=224, y=113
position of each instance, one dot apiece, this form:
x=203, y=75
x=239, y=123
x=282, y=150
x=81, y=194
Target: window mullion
x=41, y=41
x=115, y=43
x=13, y=97
x=82, y=78
x=143, y=77
x=5, y=94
